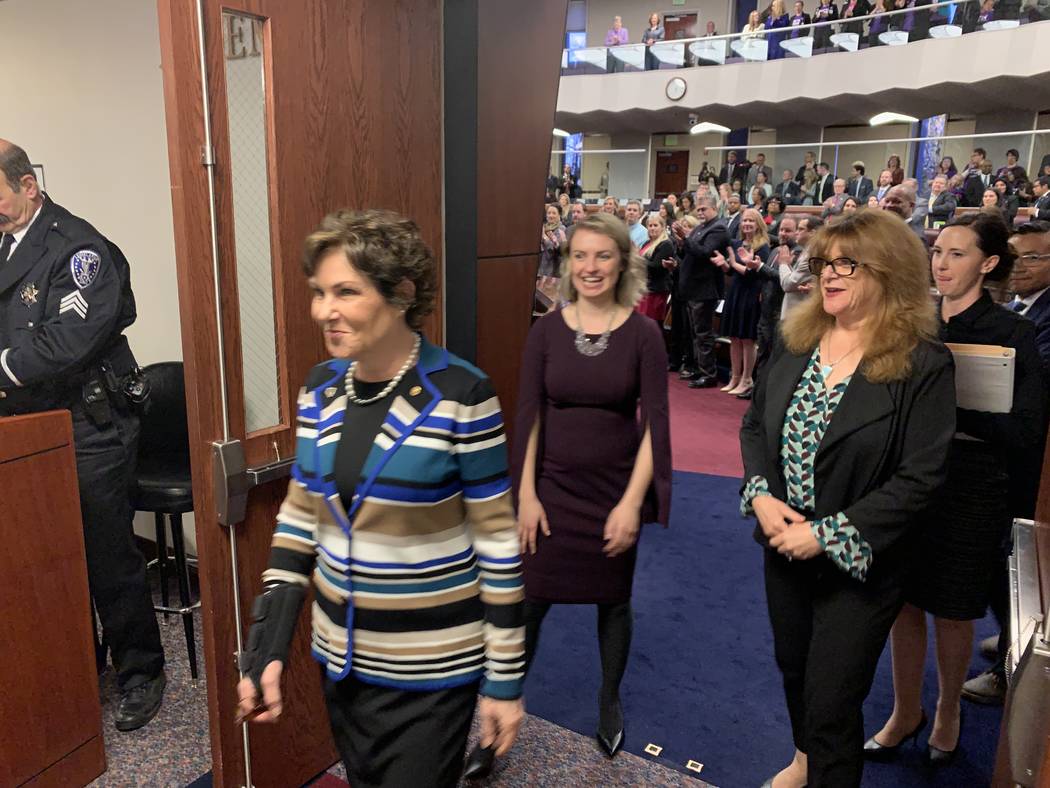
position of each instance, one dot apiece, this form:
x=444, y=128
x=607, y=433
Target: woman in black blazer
x=658, y=248
x=962, y=541
x=863, y=396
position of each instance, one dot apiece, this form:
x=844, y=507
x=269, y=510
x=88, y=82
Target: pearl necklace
x=409, y=363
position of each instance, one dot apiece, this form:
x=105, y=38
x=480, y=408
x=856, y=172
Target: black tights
x=615, y=622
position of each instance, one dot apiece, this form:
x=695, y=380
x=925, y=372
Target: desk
x=50, y=718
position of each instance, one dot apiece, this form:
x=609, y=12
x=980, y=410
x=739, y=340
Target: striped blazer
x=418, y=586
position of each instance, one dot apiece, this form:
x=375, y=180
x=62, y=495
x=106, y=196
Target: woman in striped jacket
x=399, y=514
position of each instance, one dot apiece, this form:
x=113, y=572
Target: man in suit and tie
x=833, y=205
x=940, y=207
x=701, y=284
x=1041, y=206
x=759, y=166
x=885, y=184
x=825, y=182
x=788, y=189
x=734, y=214
x=731, y=171
x=859, y=188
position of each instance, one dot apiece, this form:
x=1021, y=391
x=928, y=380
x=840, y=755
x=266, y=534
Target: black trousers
x=681, y=352
x=389, y=737
x=116, y=569
x=828, y=633
x=701, y=323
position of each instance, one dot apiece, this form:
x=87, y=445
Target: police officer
x=65, y=299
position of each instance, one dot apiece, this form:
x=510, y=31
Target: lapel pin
x=415, y=391
x=29, y=294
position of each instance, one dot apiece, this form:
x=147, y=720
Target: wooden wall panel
x=519, y=67
x=507, y=283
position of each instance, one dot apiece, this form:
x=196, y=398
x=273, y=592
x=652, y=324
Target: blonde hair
x=654, y=215
x=631, y=285
x=773, y=7
x=689, y=221
x=894, y=259
x=761, y=236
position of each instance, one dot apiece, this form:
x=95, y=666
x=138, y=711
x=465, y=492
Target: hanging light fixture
x=884, y=118
x=706, y=127
x=560, y=133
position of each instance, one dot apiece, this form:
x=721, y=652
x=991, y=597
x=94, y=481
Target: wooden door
x=312, y=106
x=672, y=172
x=679, y=26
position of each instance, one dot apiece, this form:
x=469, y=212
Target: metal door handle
x=232, y=479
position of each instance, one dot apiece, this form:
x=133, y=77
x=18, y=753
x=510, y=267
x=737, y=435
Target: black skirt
x=390, y=737
x=963, y=541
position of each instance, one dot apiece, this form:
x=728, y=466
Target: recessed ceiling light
x=891, y=117
x=705, y=127
x=560, y=133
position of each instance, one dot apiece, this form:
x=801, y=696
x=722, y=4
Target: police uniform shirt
x=65, y=298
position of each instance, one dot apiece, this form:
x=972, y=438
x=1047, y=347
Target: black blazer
x=658, y=278
x=790, y=192
x=698, y=278
x=829, y=187
x=885, y=452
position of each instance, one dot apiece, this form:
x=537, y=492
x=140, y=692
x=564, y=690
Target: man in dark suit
x=759, y=166
x=732, y=170
x=1041, y=206
x=733, y=219
x=940, y=207
x=1030, y=280
x=859, y=187
x=885, y=184
x=788, y=190
x=825, y=182
x=701, y=284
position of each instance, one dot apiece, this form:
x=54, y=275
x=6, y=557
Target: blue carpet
x=701, y=681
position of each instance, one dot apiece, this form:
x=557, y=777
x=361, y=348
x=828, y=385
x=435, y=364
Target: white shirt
x=18, y=236
x=1029, y=300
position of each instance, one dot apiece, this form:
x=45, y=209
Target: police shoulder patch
x=84, y=265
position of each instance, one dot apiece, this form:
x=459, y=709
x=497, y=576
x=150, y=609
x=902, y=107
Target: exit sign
x=677, y=2
x=670, y=140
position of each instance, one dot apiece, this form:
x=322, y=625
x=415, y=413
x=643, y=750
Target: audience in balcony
x=940, y=207
x=732, y=171
x=825, y=182
x=1041, y=193
x=987, y=12
x=854, y=8
x=946, y=167
x=878, y=25
x=777, y=20
x=826, y=11
x=893, y=164
x=809, y=188
x=885, y=183
x=809, y=162
x=616, y=36
x=788, y=189
x=915, y=23
x=652, y=34
x=799, y=17
x=1012, y=169
x=833, y=204
x=859, y=186
x=754, y=27
x=1007, y=200
x=759, y=166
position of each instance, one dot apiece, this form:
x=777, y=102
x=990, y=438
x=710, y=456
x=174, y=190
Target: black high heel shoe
x=480, y=763
x=938, y=758
x=875, y=751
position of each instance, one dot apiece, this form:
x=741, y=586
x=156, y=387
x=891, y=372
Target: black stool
x=163, y=486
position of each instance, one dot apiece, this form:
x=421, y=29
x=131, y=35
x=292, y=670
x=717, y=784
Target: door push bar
x=232, y=479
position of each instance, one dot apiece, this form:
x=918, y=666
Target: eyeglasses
x=1031, y=259
x=842, y=266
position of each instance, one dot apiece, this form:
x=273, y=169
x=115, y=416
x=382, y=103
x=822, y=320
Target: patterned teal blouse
x=806, y=421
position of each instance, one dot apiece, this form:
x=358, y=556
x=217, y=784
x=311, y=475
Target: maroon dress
x=593, y=411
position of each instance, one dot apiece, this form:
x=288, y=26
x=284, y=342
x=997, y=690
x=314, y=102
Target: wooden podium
x=50, y=718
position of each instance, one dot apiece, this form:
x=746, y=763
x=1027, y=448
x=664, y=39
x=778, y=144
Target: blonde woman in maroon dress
x=593, y=461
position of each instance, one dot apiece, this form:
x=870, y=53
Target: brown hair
x=895, y=260
x=384, y=246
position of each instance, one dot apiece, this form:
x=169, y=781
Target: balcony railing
x=891, y=28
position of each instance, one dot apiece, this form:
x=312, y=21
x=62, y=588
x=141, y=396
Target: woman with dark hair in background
x=946, y=167
x=593, y=456
x=685, y=203
x=417, y=579
x=893, y=164
x=1008, y=202
x=965, y=531
x=844, y=447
